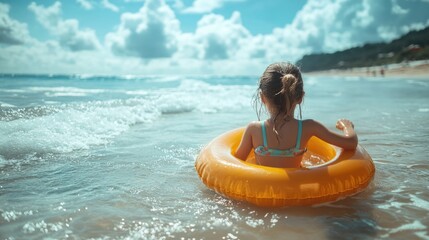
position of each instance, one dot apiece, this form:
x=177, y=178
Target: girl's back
x=284, y=141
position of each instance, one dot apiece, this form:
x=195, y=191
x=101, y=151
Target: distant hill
x=411, y=46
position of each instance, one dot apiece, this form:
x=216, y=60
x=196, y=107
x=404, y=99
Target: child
x=280, y=140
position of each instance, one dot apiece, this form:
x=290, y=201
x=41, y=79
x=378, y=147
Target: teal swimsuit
x=291, y=152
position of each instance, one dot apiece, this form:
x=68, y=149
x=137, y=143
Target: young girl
x=280, y=140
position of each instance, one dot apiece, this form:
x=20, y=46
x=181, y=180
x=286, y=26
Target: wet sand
x=413, y=69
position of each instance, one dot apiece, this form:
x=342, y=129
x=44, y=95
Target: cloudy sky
x=137, y=37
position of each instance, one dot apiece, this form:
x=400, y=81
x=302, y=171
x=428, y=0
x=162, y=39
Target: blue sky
x=258, y=16
x=190, y=36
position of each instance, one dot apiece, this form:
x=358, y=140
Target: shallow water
x=113, y=157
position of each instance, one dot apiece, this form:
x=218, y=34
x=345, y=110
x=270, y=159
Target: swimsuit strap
x=298, y=137
x=263, y=150
x=264, y=134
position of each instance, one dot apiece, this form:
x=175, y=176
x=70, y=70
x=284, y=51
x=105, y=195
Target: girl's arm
x=246, y=144
x=347, y=141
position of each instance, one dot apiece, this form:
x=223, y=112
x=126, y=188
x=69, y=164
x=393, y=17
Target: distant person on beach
x=382, y=72
x=280, y=140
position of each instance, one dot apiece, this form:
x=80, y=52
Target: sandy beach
x=419, y=69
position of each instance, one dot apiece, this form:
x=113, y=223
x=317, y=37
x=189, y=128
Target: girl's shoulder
x=253, y=126
x=310, y=124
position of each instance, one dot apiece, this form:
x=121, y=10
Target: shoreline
x=417, y=69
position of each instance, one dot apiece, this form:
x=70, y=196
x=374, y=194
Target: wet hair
x=282, y=86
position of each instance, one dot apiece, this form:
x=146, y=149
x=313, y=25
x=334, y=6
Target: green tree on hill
x=411, y=46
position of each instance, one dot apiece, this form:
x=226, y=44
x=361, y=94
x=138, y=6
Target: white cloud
x=178, y=4
x=221, y=38
x=396, y=9
x=51, y=57
x=328, y=25
x=49, y=17
x=67, y=31
x=363, y=17
x=85, y=4
x=150, y=33
x=11, y=31
x=75, y=39
x=109, y=5
x=154, y=32
x=203, y=6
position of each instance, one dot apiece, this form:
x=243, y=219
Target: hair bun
x=289, y=82
x=288, y=77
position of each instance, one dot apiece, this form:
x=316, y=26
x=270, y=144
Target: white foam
x=213, y=98
x=13, y=90
x=392, y=204
x=398, y=190
x=164, y=79
x=418, y=202
x=416, y=225
x=10, y=216
x=2, y=162
x=66, y=94
x=423, y=109
x=419, y=83
x=422, y=235
x=65, y=91
x=198, y=95
x=75, y=127
x=42, y=226
x=254, y=223
x=3, y=104
x=154, y=229
x=175, y=103
x=137, y=92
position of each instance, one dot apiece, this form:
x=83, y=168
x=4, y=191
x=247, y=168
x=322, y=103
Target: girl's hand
x=344, y=123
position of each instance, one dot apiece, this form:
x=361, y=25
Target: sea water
x=107, y=157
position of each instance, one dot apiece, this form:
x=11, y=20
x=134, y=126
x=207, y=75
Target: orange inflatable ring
x=346, y=173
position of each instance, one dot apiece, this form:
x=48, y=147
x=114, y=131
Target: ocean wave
x=196, y=95
x=71, y=127
x=65, y=91
x=12, y=113
x=62, y=128
x=6, y=105
x=213, y=98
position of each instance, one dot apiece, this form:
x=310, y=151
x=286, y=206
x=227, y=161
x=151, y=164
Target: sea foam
x=63, y=128
x=70, y=127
